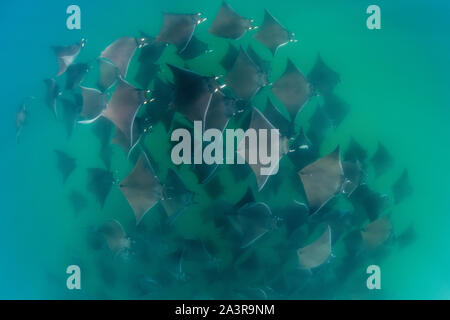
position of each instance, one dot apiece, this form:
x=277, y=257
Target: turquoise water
x=395, y=80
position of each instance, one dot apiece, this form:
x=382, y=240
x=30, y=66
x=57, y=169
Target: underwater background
x=394, y=79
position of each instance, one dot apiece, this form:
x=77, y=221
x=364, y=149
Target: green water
x=394, y=79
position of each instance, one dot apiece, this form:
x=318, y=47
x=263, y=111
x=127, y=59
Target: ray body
x=272, y=34
x=141, y=188
x=66, y=164
x=100, y=182
x=292, y=89
x=376, y=232
x=70, y=114
x=75, y=74
x=372, y=202
x=355, y=152
x=115, y=236
x=245, y=78
x=381, y=160
x=275, y=117
x=177, y=29
x=293, y=216
x=66, y=55
x=53, y=92
x=108, y=74
x=252, y=221
x=322, y=180
x=219, y=112
x=161, y=106
x=120, y=53
x=193, y=93
x=152, y=50
x=264, y=65
x=94, y=102
x=301, y=151
x=229, y=58
x=322, y=77
x=316, y=253
x=78, y=201
x=402, y=187
x=194, y=49
x=176, y=197
x=123, y=107
x=258, y=121
x=229, y=24
x=353, y=177
x=106, y=153
x=146, y=73
x=102, y=129
x=319, y=125
x=336, y=108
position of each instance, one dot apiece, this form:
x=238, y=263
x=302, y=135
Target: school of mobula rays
x=301, y=235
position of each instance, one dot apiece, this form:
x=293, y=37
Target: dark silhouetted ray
x=381, y=160
x=272, y=34
x=106, y=153
x=176, y=197
x=78, y=201
x=141, y=188
x=115, y=237
x=94, y=102
x=248, y=197
x=123, y=142
x=252, y=221
x=67, y=55
x=292, y=89
x=108, y=74
x=371, y=201
x=355, y=152
x=275, y=117
x=193, y=93
x=120, y=53
x=152, y=51
x=407, y=237
x=258, y=121
x=316, y=253
x=301, y=151
x=53, y=92
x=230, y=57
x=100, y=182
x=70, y=114
x=177, y=29
x=335, y=108
x=146, y=73
x=75, y=74
x=322, y=77
x=264, y=65
x=219, y=112
x=293, y=215
x=319, y=124
x=322, y=180
x=66, y=164
x=245, y=78
x=376, y=232
x=194, y=49
x=160, y=108
x=102, y=129
x=197, y=258
x=123, y=107
x=353, y=177
x=228, y=24
x=402, y=188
